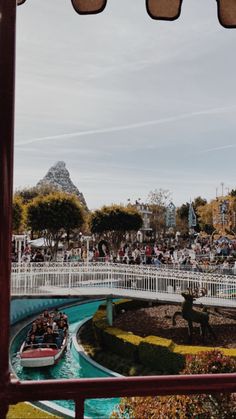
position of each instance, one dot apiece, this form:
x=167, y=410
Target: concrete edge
x=79, y=348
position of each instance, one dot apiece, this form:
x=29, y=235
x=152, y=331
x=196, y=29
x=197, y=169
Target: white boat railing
x=61, y=278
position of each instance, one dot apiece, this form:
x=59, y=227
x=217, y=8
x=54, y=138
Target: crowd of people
x=48, y=329
x=201, y=254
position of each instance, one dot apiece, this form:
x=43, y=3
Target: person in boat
x=62, y=331
x=40, y=327
x=46, y=314
x=64, y=318
x=34, y=329
x=51, y=322
x=62, y=326
x=49, y=337
x=55, y=313
x=31, y=341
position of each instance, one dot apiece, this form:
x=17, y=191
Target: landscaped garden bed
x=140, y=336
x=157, y=321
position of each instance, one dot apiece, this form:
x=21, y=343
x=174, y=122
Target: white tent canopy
x=41, y=243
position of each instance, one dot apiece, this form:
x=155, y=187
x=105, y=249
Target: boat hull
x=41, y=357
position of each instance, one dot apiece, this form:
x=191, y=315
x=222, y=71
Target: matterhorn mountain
x=59, y=177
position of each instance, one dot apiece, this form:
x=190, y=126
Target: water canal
x=72, y=365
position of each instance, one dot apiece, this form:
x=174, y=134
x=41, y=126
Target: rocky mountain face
x=59, y=177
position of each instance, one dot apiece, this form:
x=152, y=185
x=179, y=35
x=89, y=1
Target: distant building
x=146, y=214
x=223, y=215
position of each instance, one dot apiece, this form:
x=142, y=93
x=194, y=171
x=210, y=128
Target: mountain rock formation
x=59, y=177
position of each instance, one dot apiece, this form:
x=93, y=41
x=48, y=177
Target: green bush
x=99, y=323
x=122, y=343
x=116, y=340
x=156, y=353
x=194, y=350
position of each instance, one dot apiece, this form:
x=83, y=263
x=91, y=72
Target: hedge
x=122, y=343
x=193, y=350
x=157, y=353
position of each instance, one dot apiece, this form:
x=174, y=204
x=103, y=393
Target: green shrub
x=99, y=323
x=156, y=353
x=122, y=343
x=194, y=350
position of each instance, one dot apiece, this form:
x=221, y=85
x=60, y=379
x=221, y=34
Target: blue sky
x=129, y=103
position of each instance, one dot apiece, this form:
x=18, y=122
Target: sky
x=129, y=103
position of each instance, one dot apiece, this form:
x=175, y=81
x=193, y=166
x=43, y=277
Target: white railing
x=61, y=278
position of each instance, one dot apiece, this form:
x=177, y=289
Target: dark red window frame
x=12, y=390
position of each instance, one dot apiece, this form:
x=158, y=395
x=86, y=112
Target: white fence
x=57, y=278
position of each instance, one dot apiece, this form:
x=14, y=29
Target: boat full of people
x=46, y=340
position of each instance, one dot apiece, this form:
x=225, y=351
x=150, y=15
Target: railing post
x=3, y=407
x=109, y=310
x=111, y=276
x=7, y=101
x=79, y=408
x=70, y=276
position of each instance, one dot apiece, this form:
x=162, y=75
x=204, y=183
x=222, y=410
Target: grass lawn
x=25, y=410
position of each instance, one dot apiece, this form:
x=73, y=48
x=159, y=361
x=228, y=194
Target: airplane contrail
x=223, y=147
x=129, y=126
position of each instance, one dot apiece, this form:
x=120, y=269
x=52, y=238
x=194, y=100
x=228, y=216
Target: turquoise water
x=72, y=365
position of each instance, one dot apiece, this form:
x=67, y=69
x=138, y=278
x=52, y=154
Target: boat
x=42, y=353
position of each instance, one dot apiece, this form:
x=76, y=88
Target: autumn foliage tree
x=115, y=222
x=54, y=215
x=202, y=406
x=17, y=214
x=205, y=216
x=27, y=194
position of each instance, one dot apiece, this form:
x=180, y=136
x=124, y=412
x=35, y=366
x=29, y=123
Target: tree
x=28, y=194
x=205, y=216
x=158, y=200
x=182, y=219
x=53, y=215
x=183, y=214
x=233, y=193
x=199, y=202
x=17, y=214
x=115, y=221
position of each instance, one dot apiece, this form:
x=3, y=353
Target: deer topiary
x=194, y=316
